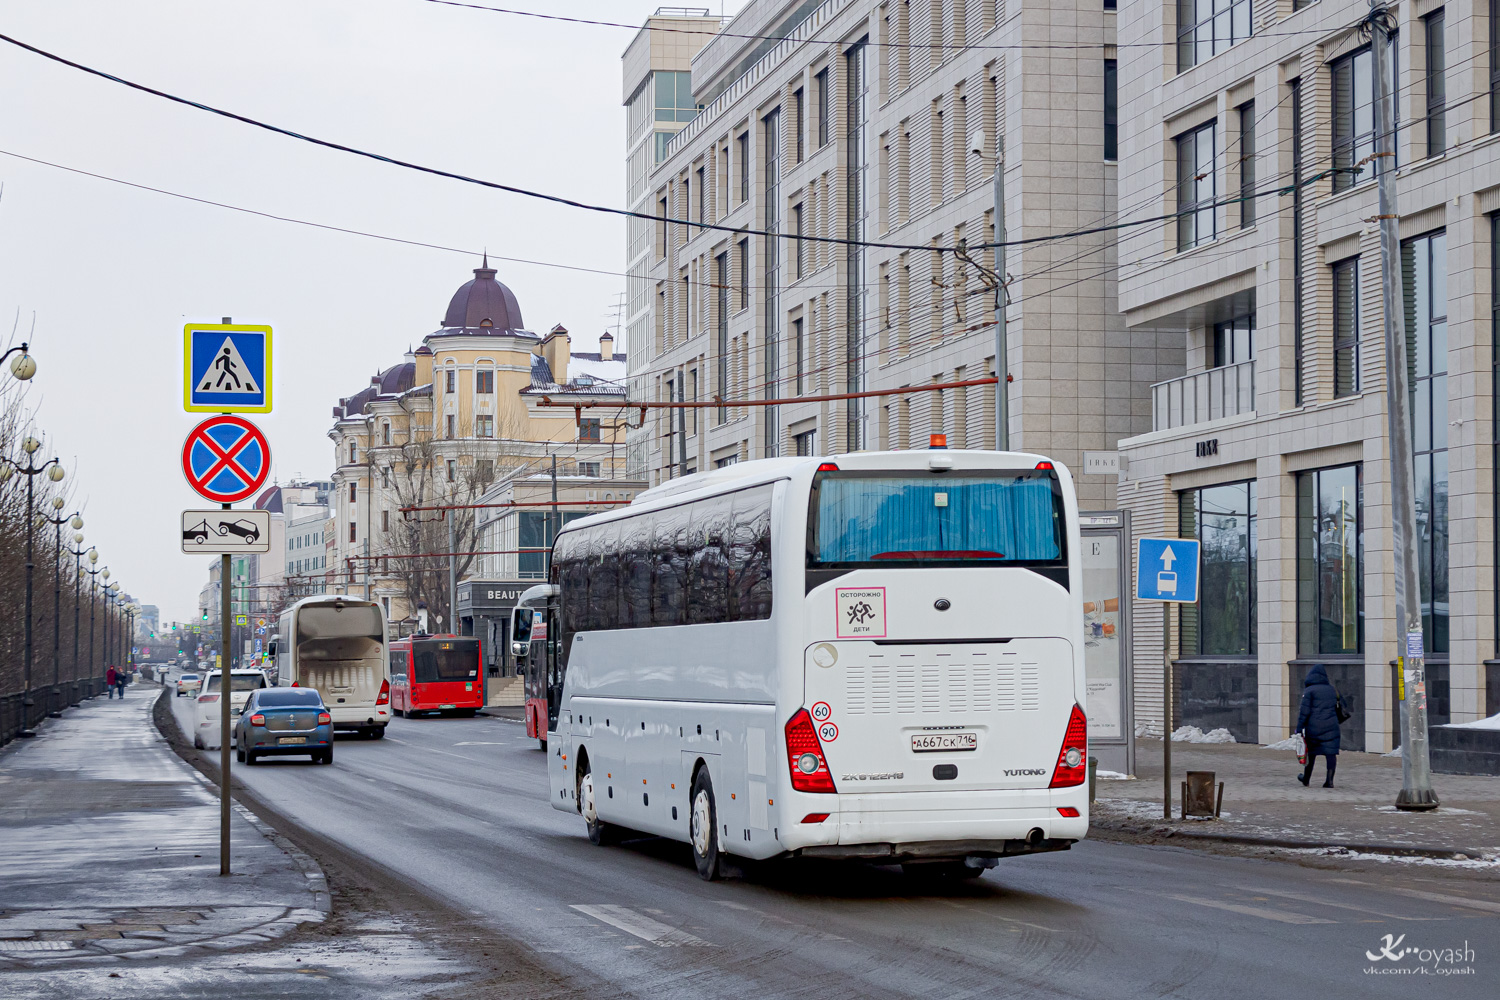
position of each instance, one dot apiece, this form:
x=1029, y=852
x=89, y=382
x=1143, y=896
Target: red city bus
x=436, y=673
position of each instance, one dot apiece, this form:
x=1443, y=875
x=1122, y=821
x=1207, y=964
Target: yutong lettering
x=1024, y=771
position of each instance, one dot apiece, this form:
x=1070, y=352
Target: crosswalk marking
x=641, y=926
x=1438, y=897
x=1303, y=897
x=1266, y=913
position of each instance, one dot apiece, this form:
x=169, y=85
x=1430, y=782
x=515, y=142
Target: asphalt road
x=458, y=808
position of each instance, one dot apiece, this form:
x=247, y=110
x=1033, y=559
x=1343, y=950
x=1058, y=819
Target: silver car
x=278, y=721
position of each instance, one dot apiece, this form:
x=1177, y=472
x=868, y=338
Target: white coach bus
x=872, y=656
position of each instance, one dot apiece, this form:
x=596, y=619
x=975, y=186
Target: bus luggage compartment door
x=560, y=775
x=926, y=716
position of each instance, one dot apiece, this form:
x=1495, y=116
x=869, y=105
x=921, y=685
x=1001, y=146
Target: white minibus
x=867, y=656
x=337, y=646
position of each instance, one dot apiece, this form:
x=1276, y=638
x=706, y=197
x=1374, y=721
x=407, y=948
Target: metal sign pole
x=224, y=713
x=1166, y=711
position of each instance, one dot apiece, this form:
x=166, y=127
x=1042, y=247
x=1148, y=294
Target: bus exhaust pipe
x=1035, y=837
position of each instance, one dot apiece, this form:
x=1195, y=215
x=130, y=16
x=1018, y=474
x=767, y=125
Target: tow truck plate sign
x=215, y=532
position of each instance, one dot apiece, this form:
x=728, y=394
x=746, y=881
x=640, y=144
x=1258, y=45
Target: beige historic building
x=1257, y=129
x=878, y=123
x=457, y=416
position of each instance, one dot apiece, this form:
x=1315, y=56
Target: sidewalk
x=1264, y=802
x=112, y=849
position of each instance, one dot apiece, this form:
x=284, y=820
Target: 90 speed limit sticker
x=821, y=712
x=828, y=732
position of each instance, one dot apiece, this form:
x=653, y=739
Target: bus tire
x=600, y=832
x=703, y=828
x=377, y=733
x=541, y=745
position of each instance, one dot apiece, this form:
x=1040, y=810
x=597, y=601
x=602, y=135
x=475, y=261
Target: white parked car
x=206, y=712
x=187, y=684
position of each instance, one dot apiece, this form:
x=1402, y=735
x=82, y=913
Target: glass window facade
x=674, y=97
x=1330, y=562
x=1234, y=341
x=1354, y=115
x=1207, y=27
x=1346, y=327
x=1437, y=87
x=1196, y=188
x=1222, y=518
x=1111, y=110
x=1247, y=165
x=1424, y=275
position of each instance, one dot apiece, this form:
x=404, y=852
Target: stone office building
x=879, y=122
x=1256, y=128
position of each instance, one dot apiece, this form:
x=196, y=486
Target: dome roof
x=484, y=304
x=397, y=378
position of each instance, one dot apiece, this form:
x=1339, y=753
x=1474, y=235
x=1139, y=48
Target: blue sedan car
x=284, y=721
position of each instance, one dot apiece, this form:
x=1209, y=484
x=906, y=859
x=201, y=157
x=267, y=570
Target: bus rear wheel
x=703, y=828
x=599, y=831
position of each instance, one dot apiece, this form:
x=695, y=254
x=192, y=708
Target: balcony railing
x=1209, y=395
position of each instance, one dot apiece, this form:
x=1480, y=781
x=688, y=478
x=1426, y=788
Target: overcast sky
x=112, y=273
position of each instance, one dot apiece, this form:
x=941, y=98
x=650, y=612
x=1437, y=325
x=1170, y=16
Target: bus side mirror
x=519, y=648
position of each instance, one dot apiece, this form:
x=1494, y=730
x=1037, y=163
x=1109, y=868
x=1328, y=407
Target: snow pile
x=1392, y=753
x=1493, y=722
x=1192, y=734
x=1150, y=729
x=1103, y=775
x=1290, y=743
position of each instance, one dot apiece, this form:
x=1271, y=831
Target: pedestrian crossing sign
x=226, y=368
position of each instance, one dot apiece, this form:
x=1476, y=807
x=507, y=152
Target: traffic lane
x=460, y=808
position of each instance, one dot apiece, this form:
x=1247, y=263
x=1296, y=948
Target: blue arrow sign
x=227, y=368
x=1166, y=569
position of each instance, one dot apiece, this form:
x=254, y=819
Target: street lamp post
x=93, y=606
x=24, y=366
x=112, y=625
x=55, y=702
x=54, y=470
x=78, y=555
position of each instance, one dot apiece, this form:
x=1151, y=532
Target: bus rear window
x=885, y=519
x=445, y=660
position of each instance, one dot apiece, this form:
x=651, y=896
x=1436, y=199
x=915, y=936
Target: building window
x=744, y=147
x=1437, y=87
x=451, y=379
x=353, y=453
x=353, y=492
x=1346, y=327
x=1330, y=562
x=745, y=273
x=484, y=425
x=1298, y=201
x=799, y=352
x=799, y=123
x=721, y=271
x=1247, y=165
x=452, y=425
x=821, y=97
x=702, y=195
x=1111, y=110
x=452, y=471
x=385, y=477
x=590, y=469
x=1196, y=188
x=588, y=429
x=1424, y=271
x=484, y=382
x=484, y=470
x=1222, y=518
x=856, y=219
x=1234, y=341
x=726, y=461
x=351, y=531
x=385, y=434
x=1354, y=115
x=771, y=262
x=385, y=520
x=797, y=229
x=1207, y=27
x=807, y=443
x=674, y=96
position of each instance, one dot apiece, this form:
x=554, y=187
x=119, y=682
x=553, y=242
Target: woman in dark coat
x=1318, y=722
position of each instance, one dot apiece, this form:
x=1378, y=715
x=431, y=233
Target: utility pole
x=1002, y=364
x=1416, y=766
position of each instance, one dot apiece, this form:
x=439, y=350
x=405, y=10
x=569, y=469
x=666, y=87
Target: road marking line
x=1437, y=897
x=821, y=935
x=1306, y=898
x=1284, y=916
x=996, y=916
x=652, y=931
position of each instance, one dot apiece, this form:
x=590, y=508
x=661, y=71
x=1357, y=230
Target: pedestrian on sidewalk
x=121, y=676
x=109, y=682
x=1318, y=722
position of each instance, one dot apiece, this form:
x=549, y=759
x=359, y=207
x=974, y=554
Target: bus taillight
x=385, y=693
x=805, y=755
x=1072, y=760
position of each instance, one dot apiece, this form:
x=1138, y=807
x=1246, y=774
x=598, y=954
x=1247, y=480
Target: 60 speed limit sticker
x=821, y=712
x=828, y=732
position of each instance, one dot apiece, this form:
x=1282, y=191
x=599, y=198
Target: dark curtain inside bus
x=884, y=519
x=445, y=660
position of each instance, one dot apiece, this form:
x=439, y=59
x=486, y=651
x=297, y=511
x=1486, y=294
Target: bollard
x=1093, y=777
